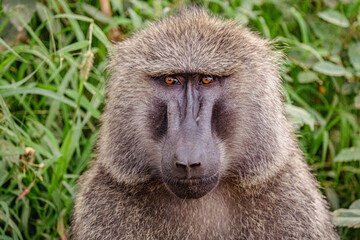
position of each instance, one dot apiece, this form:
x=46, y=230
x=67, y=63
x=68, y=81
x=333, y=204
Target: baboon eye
x=171, y=80
x=206, y=80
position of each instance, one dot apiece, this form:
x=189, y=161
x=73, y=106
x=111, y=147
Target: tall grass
x=53, y=73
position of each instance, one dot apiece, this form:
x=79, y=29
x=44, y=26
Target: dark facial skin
x=184, y=118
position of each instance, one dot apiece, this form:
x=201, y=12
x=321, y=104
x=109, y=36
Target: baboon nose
x=187, y=166
x=188, y=169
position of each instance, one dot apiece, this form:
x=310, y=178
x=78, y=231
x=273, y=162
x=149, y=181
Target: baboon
x=194, y=143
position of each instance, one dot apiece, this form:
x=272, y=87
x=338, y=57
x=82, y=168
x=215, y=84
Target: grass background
x=53, y=72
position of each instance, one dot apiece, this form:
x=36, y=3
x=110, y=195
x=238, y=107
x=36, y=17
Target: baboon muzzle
x=190, y=160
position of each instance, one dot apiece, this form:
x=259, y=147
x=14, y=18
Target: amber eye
x=206, y=80
x=171, y=80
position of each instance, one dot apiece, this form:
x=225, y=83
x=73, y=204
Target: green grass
x=52, y=94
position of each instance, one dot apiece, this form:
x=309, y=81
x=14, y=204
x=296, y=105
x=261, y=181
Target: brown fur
x=265, y=190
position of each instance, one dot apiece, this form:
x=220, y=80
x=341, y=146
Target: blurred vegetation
x=53, y=72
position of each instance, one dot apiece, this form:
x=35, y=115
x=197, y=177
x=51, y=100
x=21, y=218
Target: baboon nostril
x=181, y=165
x=195, y=165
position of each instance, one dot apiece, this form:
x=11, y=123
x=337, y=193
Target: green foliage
x=52, y=78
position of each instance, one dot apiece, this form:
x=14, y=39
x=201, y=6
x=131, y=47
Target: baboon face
x=188, y=103
x=185, y=113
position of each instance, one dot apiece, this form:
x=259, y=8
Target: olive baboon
x=194, y=143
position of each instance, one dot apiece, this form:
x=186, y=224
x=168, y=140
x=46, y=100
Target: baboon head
x=192, y=100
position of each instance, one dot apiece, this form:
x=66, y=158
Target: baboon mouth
x=191, y=188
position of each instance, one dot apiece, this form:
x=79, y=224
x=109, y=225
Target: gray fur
x=265, y=190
